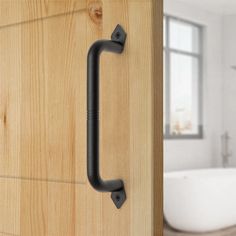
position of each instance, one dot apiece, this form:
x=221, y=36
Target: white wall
x=190, y=154
x=229, y=94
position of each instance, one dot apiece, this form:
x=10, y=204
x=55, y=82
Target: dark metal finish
x=118, y=198
x=116, y=45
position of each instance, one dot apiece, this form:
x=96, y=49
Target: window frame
x=167, y=51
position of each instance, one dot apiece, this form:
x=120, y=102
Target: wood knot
x=95, y=11
x=5, y=119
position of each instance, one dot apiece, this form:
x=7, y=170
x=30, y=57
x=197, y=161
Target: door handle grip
x=116, y=45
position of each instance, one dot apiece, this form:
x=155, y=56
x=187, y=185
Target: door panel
x=43, y=118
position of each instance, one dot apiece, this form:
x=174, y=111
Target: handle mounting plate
x=118, y=198
x=118, y=35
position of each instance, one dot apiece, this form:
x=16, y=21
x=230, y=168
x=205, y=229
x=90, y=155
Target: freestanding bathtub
x=200, y=200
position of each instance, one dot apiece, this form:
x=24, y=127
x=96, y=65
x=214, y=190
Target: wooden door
x=43, y=180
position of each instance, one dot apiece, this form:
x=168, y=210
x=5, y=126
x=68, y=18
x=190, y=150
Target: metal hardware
x=116, y=45
x=225, y=153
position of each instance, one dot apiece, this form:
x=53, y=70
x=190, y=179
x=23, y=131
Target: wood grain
x=131, y=104
x=43, y=118
x=43, y=94
x=42, y=208
x=10, y=206
x=21, y=11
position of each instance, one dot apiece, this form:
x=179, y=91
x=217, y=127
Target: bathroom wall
x=229, y=86
x=190, y=154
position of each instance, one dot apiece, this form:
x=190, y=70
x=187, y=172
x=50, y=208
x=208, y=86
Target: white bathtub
x=200, y=200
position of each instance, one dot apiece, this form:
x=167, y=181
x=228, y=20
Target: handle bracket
x=116, y=187
x=118, y=35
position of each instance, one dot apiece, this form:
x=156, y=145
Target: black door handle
x=116, y=45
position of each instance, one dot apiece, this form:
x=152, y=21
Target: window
x=182, y=79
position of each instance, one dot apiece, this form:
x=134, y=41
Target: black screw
x=117, y=35
x=117, y=198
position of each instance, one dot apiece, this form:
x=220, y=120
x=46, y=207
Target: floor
x=225, y=232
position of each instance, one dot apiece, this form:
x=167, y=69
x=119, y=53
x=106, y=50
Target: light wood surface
x=19, y=11
x=43, y=118
x=43, y=99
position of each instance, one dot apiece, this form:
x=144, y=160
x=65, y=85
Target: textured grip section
x=93, y=115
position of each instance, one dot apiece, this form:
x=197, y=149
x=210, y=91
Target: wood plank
x=10, y=207
x=115, y=120
x=43, y=94
x=52, y=209
x=10, y=66
x=145, y=77
x=40, y=208
x=130, y=103
x=53, y=112
x=19, y=11
x=140, y=56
